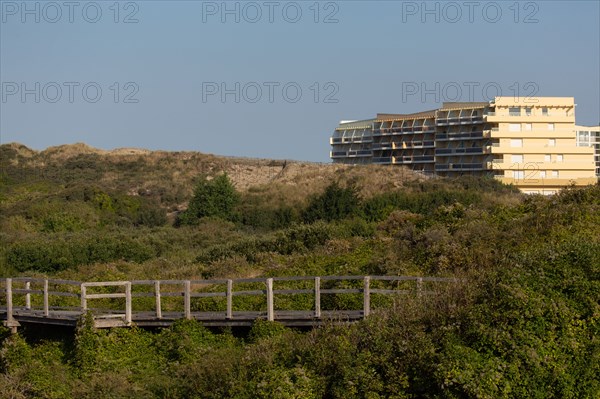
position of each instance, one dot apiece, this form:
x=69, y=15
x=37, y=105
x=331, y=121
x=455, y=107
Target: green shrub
x=212, y=198
x=335, y=203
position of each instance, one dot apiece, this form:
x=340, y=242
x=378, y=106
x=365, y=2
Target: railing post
x=9, y=300
x=128, y=303
x=187, y=300
x=157, y=296
x=270, y=308
x=83, y=298
x=318, y=297
x=419, y=287
x=229, y=299
x=366, y=296
x=28, y=295
x=46, y=299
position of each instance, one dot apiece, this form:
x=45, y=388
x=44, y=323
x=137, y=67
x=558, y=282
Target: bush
x=212, y=198
x=335, y=203
x=50, y=255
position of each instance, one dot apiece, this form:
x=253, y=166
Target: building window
x=583, y=139
x=517, y=158
x=547, y=158
x=514, y=127
x=551, y=142
x=551, y=126
x=519, y=174
x=555, y=173
x=528, y=111
x=559, y=158
x=514, y=111
x=516, y=142
x=528, y=126
x=545, y=111
x=543, y=174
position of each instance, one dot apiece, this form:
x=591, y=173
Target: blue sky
x=272, y=79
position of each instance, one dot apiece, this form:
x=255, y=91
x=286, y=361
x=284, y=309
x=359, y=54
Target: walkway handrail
x=22, y=294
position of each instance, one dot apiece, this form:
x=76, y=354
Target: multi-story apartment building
x=589, y=136
x=531, y=143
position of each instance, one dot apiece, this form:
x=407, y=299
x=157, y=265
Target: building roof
x=416, y=115
x=460, y=105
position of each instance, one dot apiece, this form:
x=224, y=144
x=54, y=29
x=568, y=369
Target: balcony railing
x=459, y=167
x=360, y=153
x=381, y=160
x=460, y=151
x=339, y=154
x=460, y=135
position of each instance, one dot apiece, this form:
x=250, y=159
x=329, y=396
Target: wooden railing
x=51, y=301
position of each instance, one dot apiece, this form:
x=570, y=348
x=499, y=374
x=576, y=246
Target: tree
x=216, y=198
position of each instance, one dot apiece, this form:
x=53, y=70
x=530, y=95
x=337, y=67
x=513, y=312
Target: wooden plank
x=128, y=303
x=158, y=306
x=83, y=298
x=270, y=309
x=388, y=292
x=366, y=296
x=26, y=291
x=329, y=278
x=46, y=299
x=317, y=297
x=172, y=294
x=294, y=278
x=107, y=284
x=28, y=295
x=106, y=296
x=292, y=292
x=342, y=291
x=187, y=300
x=207, y=294
x=142, y=294
x=9, y=300
x=229, y=294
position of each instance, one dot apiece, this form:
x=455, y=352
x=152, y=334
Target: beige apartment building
x=589, y=136
x=532, y=143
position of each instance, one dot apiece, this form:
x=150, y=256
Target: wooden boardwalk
x=215, y=303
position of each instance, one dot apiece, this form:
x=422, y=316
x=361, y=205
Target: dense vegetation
x=525, y=323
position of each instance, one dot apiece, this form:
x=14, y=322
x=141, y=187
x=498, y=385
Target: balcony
x=383, y=146
x=338, y=154
x=423, y=159
x=360, y=153
x=382, y=160
x=459, y=167
x=349, y=140
x=463, y=151
x=460, y=136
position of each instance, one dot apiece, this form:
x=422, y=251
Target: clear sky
x=272, y=79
